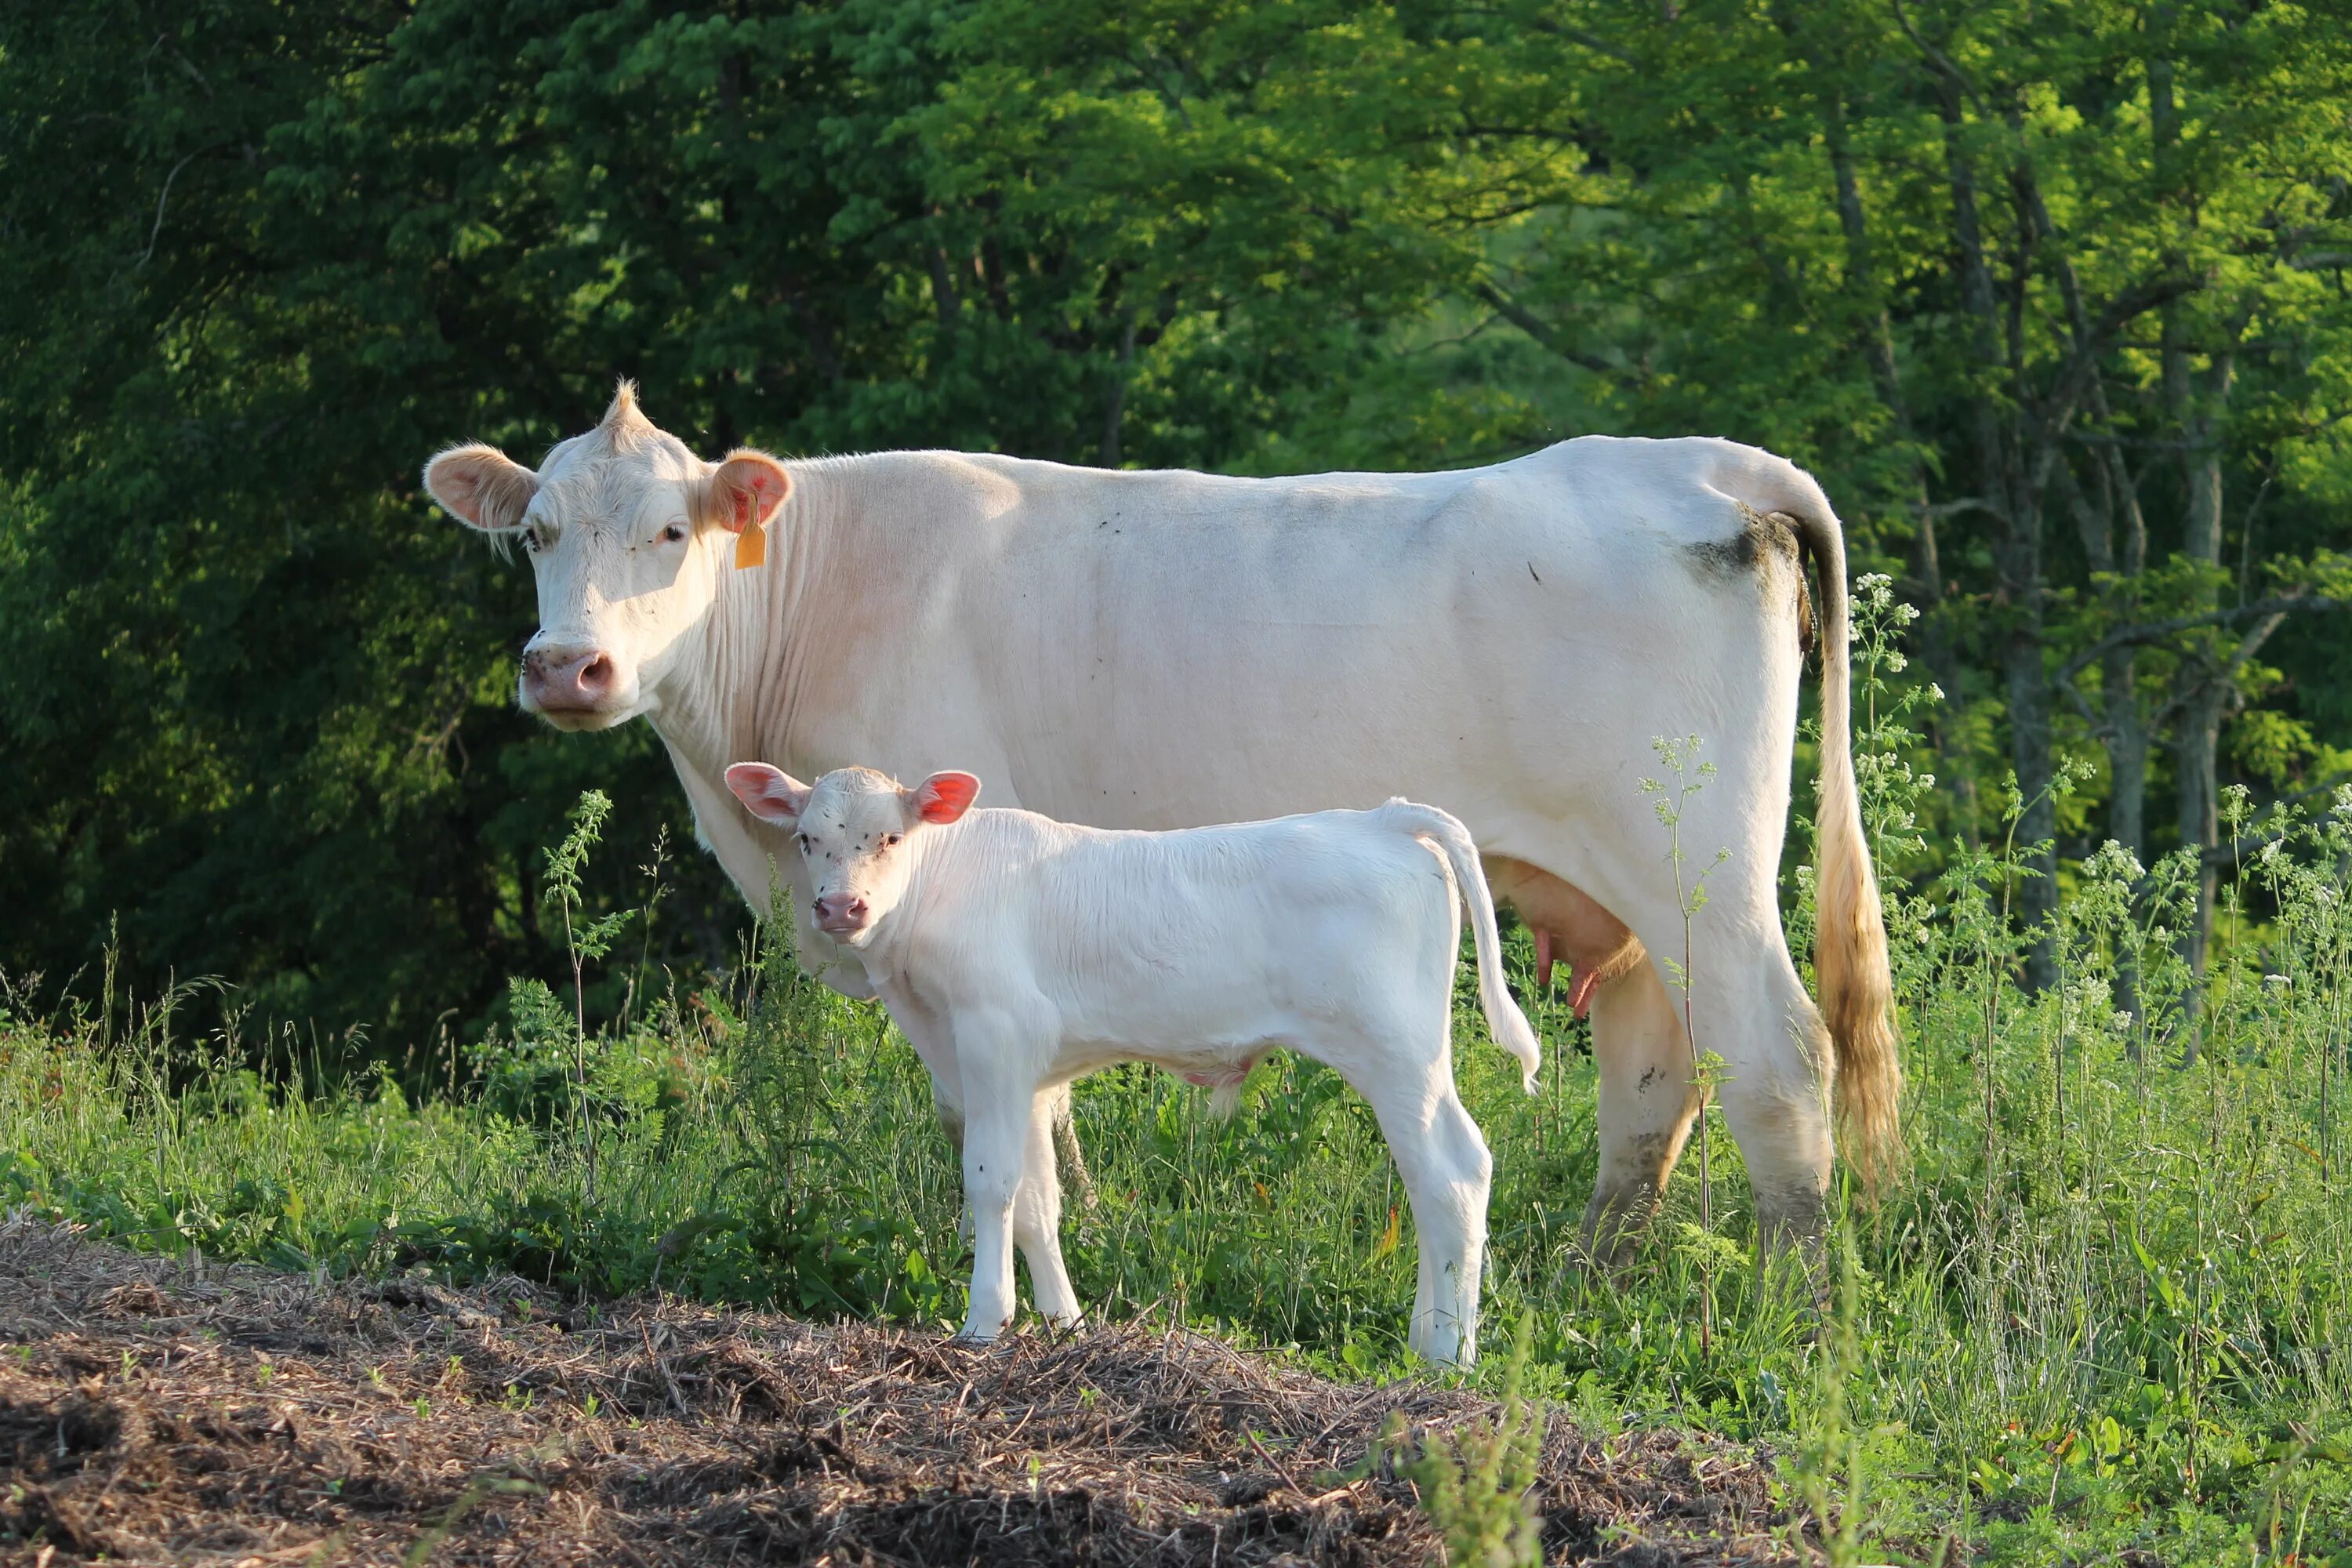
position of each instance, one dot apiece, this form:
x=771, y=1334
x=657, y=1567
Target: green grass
x=2110, y=1306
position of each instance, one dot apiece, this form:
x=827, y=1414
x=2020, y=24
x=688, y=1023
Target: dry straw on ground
x=153, y=1411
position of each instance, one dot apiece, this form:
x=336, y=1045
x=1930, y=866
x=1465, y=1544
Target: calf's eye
x=891, y=839
x=673, y=534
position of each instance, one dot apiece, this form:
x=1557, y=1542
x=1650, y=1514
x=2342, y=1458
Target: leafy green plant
x=1671, y=801
x=1477, y=1484
x=583, y=943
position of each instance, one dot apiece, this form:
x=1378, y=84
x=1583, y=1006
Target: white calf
x=1018, y=953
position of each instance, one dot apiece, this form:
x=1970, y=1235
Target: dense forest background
x=2053, y=296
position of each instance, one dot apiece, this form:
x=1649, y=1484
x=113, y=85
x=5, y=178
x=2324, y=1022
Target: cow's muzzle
x=557, y=680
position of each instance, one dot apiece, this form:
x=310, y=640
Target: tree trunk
x=2197, y=745
x=1938, y=645
x=2194, y=751
x=2026, y=680
x=1115, y=397
x=2127, y=748
x=2019, y=558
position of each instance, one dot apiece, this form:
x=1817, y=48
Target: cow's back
x=1164, y=649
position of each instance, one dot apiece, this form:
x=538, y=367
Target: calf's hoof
x=976, y=1332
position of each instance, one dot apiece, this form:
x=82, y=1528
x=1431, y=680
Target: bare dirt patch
x=154, y=1412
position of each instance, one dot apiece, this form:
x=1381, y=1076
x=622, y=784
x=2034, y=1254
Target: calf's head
x=853, y=827
x=629, y=534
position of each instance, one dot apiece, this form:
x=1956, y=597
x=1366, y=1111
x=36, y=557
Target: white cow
x=1020, y=954
x=1156, y=650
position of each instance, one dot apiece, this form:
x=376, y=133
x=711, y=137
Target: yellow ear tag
x=751, y=547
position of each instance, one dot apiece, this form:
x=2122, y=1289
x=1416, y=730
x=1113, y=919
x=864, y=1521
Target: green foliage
x=1476, y=1484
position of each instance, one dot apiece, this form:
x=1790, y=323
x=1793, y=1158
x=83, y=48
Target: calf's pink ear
x=745, y=491
x=771, y=794
x=945, y=796
x=481, y=487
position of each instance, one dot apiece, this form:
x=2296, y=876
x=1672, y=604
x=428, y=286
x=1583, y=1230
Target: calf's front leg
x=1000, y=1118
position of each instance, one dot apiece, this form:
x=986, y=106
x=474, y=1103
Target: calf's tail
x=1444, y=834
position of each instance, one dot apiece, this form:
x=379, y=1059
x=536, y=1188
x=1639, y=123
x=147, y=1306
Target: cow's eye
x=532, y=540
x=673, y=534
x=805, y=843
x=891, y=839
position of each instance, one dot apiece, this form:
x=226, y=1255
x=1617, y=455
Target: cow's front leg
x=1000, y=1109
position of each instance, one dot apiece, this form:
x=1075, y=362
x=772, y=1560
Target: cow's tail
x=1444, y=834
x=1857, y=990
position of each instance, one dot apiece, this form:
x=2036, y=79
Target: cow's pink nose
x=840, y=912
x=556, y=678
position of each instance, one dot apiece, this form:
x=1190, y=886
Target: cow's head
x=852, y=826
x=629, y=532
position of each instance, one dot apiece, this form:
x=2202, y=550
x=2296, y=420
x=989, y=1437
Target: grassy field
x=2105, y=1311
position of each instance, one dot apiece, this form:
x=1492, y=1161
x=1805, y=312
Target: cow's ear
x=771, y=794
x=744, y=491
x=944, y=797
x=481, y=487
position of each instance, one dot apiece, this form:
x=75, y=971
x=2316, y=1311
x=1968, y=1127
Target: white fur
x=1153, y=651
x=1018, y=953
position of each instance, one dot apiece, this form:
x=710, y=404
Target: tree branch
x=1535, y=327
x=1941, y=62
x=2157, y=631
x=1582, y=36
x=163, y=196
x=1991, y=509
x=2076, y=375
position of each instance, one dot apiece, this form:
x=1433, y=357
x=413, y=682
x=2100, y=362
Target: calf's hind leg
x=1037, y=1213
x=1447, y=1174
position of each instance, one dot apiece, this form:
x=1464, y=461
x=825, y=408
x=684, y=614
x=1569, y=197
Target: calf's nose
x=562, y=678
x=840, y=912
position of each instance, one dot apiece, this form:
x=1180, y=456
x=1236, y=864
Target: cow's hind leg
x=1749, y=1007
x=1037, y=1215
x=1647, y=1104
